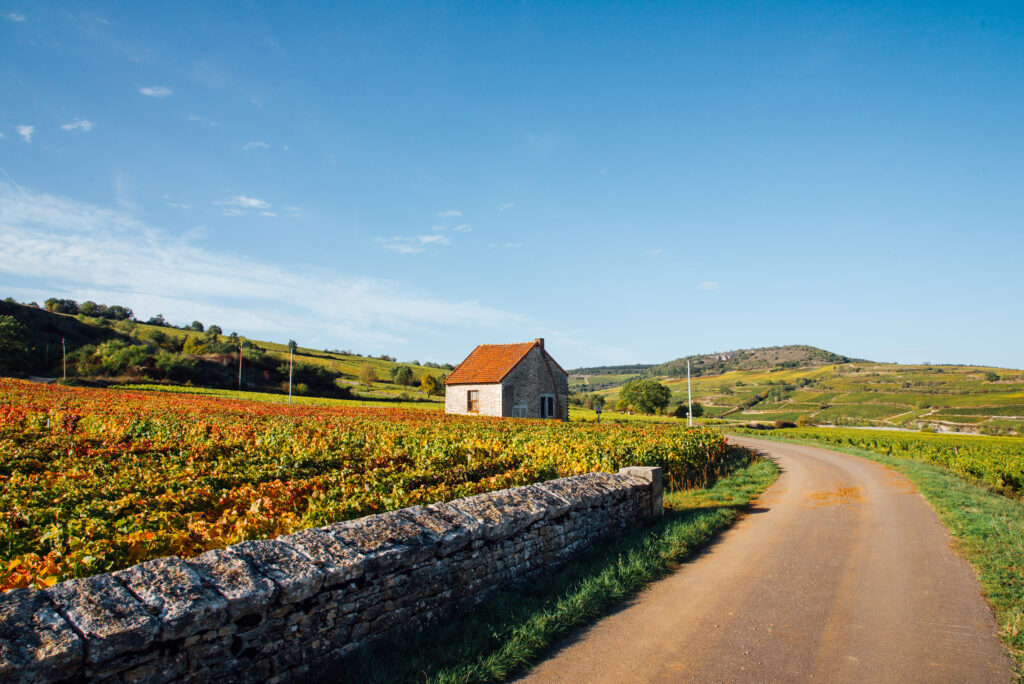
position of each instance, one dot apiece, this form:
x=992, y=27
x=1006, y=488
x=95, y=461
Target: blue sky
x=633, y=182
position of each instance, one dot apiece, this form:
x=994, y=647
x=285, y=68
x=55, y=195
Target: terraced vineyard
x=947, y=398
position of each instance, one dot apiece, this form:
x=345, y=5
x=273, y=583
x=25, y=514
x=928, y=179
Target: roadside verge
x=515, y=629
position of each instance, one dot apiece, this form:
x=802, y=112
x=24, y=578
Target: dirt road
x=841, y=573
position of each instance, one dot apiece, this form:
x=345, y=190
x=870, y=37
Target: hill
x=107, y=351
x=789, y=356
x=811, y=385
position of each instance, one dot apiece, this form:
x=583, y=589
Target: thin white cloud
x=11, y=16
x=505, y=206
x=449, y=213
x=255, y=145
x=513, y=244
x=26, y=132
x=710, y=286
x=109, y=255
x=83, y=125
x=413, y=245
x=156, y=91
x=243, y=202
x=198, y=119
x=462, y=228
x=2, y=135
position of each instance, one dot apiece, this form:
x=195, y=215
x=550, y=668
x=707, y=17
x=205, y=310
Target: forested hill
x=789, y=356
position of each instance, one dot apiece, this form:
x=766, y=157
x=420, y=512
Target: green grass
x=988, y=528
x=517, y=628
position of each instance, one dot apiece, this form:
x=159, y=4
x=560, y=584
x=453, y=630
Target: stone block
x=172, y=591
x=338, y=562
x=452, y=528
x=651, y=477
x=110, y=618
x=294, y=574
x=502, y=513
x=246, y=591
x=36, y=643
x=388, y=540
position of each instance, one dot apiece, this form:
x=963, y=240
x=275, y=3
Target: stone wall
x=286, y=609
x=533, y=376
x=455, y=399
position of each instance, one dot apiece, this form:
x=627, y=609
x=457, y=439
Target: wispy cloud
x=26, y=132
x=198, y=119
x=449, y=213
x=156, y=91
x=240, y=205
x=413, y=245
x=255, y=145
x=710, y=286
x=11, y=16
x=505, y=206
x=83, y=125
x=462, y=228
x=109, y=255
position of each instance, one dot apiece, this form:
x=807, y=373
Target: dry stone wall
x=286, y=609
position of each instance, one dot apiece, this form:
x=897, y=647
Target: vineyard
x=996, y=461
x=95, y=480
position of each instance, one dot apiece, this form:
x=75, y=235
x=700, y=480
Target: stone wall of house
x=534, y=376
x=455, y=399
x=286, y=609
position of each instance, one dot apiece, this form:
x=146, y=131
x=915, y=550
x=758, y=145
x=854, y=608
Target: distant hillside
x=111, y=347
x=789, y=356
x=633, y=369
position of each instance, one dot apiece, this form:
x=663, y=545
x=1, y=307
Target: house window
x=519, y=411
x=473, y=400
x=547, y=406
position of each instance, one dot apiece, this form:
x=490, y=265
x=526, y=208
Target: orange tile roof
x=491, y=363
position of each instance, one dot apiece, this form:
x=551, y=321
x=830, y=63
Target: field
x=946, y=398
x=92, y=480
x=995, y=461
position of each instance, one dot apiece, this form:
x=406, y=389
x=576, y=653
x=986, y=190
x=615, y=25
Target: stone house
x=510, y=380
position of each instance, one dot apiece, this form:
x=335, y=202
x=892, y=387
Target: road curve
x=840, y=573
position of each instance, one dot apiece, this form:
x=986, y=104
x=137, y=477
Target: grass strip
x=515, y=629
x=988, y=528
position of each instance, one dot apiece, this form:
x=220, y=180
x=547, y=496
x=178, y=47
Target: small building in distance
x=511, y=380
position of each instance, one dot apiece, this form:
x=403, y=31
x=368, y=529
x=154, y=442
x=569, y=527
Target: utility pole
x=289, y=374
x=689, y=397
x=65, y=350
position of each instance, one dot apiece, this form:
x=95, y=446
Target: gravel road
x=840, y=573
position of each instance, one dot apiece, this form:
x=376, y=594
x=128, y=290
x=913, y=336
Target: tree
x=215, y=331
x=401, y=375
x=64, y=306
x=197, y=326
x=646, y=396
x=431, y=385
x=367, y=375
x=991, y=377
x=292, y=346
x=15, y=346
x=89, y=308
x=159, y=320
x=683, y=410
